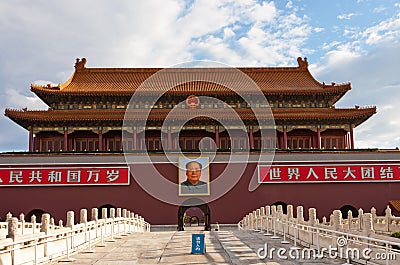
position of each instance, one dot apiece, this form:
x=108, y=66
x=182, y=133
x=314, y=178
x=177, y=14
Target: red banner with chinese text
x=328, y=173
x=75, y=176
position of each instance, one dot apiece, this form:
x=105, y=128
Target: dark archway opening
x=284, y=206
x=108, y=207
x=345, y=210
x=203, y=207
x=36, y=212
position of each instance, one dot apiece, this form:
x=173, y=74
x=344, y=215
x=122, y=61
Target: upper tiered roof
x=125, y=81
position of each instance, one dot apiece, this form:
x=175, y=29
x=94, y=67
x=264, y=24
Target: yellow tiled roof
x=125, y=81
x=161, y=114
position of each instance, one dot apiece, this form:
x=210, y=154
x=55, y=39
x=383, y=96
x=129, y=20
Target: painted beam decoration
x=328, y=173
x=65, y=176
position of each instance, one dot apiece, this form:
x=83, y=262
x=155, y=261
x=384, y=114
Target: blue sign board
x=198, y=245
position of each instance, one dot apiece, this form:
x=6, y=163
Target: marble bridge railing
x=36, y=243
x=365, y=231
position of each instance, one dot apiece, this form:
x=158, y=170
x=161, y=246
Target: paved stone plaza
x=170, y=247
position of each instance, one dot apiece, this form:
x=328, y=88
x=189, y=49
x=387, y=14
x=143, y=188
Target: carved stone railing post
x=118, y=212
x=70, y=219
x=124, y=213
x=60, y=223
x=95, y=214
x=388, y=218
x=45, y=226
x=279, y=210
x=262, y=218
x=12, y=228
x=83, y=216
x=289, y=209
x=33, y=221
x=104, y=213
x=252, y=220
x=324, y=220
x=273, y=211
x=268, y=210
x=8, y=216
x=312, y=216
x=337, y=219
x=349, y=219
x=360, y=218
x=373, y=212
x=300, y=214
x=258, y=219
x=112, y=213
x=22, y=220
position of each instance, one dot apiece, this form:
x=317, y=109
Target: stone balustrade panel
x=50, y=239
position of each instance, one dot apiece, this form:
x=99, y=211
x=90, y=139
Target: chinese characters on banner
x=328, y=173
x=64, y=176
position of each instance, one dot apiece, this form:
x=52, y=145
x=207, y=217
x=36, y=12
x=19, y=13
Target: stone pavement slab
x=172, y=247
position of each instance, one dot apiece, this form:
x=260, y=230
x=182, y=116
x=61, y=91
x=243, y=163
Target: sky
x=344, y=40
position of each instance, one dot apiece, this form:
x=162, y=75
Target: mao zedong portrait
x=193, y=185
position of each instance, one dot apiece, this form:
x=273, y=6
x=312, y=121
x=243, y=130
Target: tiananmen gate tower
x=77, y=146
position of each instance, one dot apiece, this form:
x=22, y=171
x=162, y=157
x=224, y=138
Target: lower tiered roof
x=354, y=116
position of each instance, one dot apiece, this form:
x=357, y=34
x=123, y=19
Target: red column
x=134, y=139
x=251, y=138
x=169, y=140
x=284, y=138
x=346, y=141
x=65, y=147
x=100, y=140
x=318, y=138
x=351, y=137
x=31, y=140
x=35, y=143
x=217, y=137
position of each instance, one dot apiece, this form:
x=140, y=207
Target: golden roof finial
x=303, y=64
x=80, y=64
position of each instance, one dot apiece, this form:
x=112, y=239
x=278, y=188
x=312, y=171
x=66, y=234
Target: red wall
x=228, y=209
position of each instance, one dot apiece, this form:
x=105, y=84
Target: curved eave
x=26, y=119
x=339, y=90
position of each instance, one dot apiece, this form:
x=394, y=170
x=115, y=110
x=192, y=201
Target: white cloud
x=341, y=54
x=388, y=30
x=265, y=12
x=228, y=33
x=318, y=29
x=379, y=9
x=375, y=81
x=328, y=46
x=17, y=100
x=346, y=16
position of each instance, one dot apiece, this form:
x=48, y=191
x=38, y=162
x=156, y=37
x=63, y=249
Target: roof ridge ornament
x=80, y=64
x=303, y=64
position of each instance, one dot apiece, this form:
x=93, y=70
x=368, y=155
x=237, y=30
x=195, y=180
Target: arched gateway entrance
x=203, y=207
